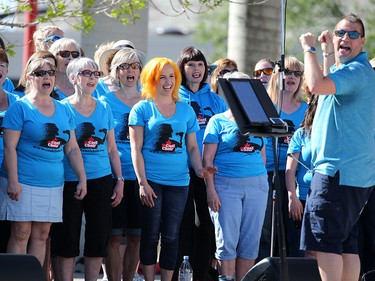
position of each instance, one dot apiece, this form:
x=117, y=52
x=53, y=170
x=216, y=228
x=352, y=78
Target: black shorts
x=331, y=215
x=96, y=206
x=126, y=217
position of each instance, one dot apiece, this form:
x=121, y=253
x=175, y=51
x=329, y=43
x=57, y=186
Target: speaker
x=268, y=269
x=20, y=268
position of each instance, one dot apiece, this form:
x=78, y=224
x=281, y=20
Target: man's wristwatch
x=120, y=179
x=310, y=49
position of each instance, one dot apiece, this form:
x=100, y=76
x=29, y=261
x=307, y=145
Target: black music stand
x=255, y=114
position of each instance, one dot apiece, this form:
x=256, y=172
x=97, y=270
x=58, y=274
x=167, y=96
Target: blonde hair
x=35, y=65
x=101, y=49
x=122, y=56
x=273, y=86
x=150, y=77
x=222, y=63
x=33, y=57
x=42, y=33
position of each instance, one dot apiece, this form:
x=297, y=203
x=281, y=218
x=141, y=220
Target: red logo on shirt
x=91, y=143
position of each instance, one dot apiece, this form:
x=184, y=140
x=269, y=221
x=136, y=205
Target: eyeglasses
x=266, y=71
x=126, y=66
x=88, y=73
x=225, y=71
x=3, y=65
x=351, y=34
x=52, y=38
x=296, y=73
x=66, y=54
x=41, y=73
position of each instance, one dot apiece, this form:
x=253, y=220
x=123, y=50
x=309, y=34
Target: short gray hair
x=79, y=64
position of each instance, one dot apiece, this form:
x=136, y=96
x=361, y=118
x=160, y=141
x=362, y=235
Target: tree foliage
x=80, y=13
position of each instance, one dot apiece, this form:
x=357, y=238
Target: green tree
x=213, y=28
x=80, y=13
x=301, y=16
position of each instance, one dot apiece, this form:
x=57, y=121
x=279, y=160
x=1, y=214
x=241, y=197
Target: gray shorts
x=39, y=204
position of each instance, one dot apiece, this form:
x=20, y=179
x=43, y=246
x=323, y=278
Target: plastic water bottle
x=186, y=271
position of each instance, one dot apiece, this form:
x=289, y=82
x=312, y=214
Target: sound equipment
x=299, y=269
x=20, y=268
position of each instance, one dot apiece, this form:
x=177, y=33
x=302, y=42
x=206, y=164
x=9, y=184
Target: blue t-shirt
x=96, y=94
x=11, y=99
x=40, y=147
x=301, y=143
x=294, y=119
x=91, y=133
x=205, y=104
x=8, y=85
x=101, y=88
x=120, y=113
x=343, y=130
x=164, y=143
x=237, y=156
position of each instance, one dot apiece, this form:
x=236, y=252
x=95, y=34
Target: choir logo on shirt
x=284, y=141
x=86, y=137
x=123, y=131
x=50, y=138
x=164, y=142
x=203, y=116
x=243, y=144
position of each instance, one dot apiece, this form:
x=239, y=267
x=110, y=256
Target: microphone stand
x=284, y=274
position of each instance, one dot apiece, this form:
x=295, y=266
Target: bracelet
x=328, y=54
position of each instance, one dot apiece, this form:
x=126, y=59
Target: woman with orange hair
x=162, y=137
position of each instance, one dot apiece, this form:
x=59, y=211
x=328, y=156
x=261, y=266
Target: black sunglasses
x=296, y=73
x=88, y=73
x=126, y=66
x=225, y=71
x=41, y=73
x=66, y=54
x=351, y=34
x=266, y=71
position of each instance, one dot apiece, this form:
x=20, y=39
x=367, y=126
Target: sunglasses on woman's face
x=225, y=71
x=266, y=71
x=126, y=66
x=66, y=54
x=42, y=73
x=88, y=73
x=296, y=73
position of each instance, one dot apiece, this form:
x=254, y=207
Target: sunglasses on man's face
x=296, y=73
x=266, y=71
x=66, y=54
x=88, y=73
x=42, y=73
x=126, y=66
x=351, y=34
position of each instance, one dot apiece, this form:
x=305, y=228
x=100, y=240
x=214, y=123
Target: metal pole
x=30, y=17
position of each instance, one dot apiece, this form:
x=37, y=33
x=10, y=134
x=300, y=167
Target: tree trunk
x=254, y=33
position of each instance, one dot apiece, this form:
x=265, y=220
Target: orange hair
x=150, y=77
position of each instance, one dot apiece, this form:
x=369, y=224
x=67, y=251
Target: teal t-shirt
x=120, y=113
x=91, y=133
x=237, y=156
x=164, y=143
x=343, y=130
x=40, y=147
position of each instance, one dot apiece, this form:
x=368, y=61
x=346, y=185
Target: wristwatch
x=120, y=179
x=310, y=49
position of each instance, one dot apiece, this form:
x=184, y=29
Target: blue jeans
x=164, y=219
